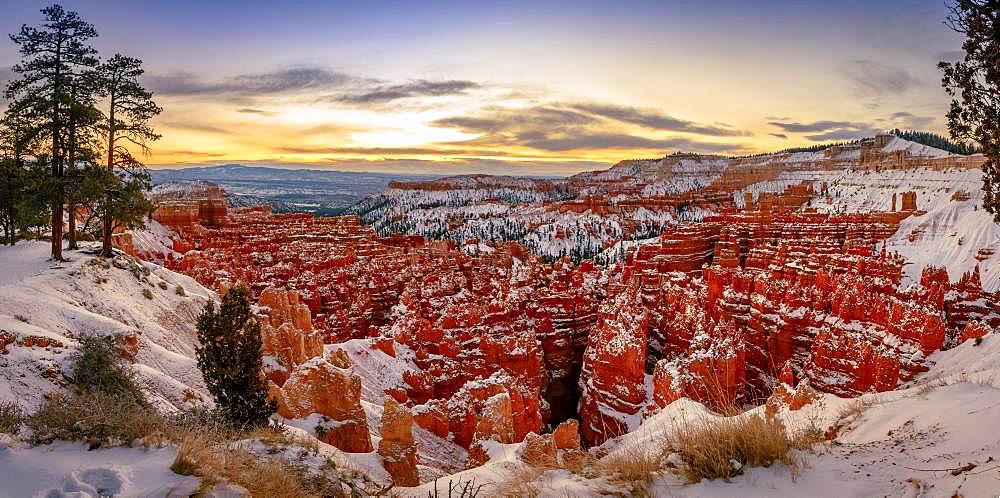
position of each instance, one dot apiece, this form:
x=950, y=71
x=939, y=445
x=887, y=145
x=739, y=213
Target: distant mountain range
x=321, y=192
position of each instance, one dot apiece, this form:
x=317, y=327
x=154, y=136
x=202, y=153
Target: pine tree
x=974, y=85
x=12, y=177
x=32, y=206
x=230, y=359
x=81, y=150
x=130, y=108
x=52, y=56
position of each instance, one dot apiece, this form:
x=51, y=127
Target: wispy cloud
x=815, y=126
x=319, y=84
x=496, y=120
x=196, y=126
x=562, y=128
x=779, y=135
x=909, y=120
x=826, y=130
x=604, y=141
x=657, y=121
x=381, y=93
x=260, y=112
x=195, y=154
x=873, y=79
x=182, y=83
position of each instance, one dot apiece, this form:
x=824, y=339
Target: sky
x=516, y=87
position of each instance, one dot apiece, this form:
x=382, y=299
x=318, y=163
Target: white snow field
x=65, y=470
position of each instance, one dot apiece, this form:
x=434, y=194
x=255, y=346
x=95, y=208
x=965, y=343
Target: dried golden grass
x=522, y=482
x=215, y=458
x=724, y=447
x=634, y=465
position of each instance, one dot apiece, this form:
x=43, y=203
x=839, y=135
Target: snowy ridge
x=63, y=302
x=481, y=208
x=951, y=233
x=913, y=148
x=185, y=189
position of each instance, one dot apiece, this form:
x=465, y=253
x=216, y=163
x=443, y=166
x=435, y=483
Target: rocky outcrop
x=495, y=423
x=188, y=205
x=567, y=435
x=974, y=331
x=612, y=382
x=287, y=333
x=720, y=310
x=539, y=451
x=397, y=447
x=321, y=387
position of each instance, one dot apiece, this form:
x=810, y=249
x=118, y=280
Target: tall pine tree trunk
x=57, y=167
x=108, y=221
x=71, y=198
x=71, y=207
x=106, y=239
x=57, y=202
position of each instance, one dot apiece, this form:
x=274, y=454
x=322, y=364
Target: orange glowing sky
x=544, y=88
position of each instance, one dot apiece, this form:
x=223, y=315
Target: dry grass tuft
x=95, y=418
x=634, y=466
x=216, y=456
x=206, y=455
x=522, y=482
x=723, y=447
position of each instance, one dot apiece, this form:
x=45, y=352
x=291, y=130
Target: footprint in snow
x=89, y=483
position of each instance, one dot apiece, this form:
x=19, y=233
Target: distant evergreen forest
x=920, y=137
x=936, y=141
x=819, y=147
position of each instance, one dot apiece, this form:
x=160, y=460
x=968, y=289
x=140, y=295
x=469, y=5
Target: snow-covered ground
x=155, y=240
x=43, y=300
x=69, y=470
x=62, y=302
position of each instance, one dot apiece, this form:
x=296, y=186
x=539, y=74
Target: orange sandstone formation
x=319, y=386
x=397, y=447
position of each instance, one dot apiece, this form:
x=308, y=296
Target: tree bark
x=71, y=157
x=108, y=221
x=57, y=229
x=57, y=167
x=71, y=208
x=106, y=239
